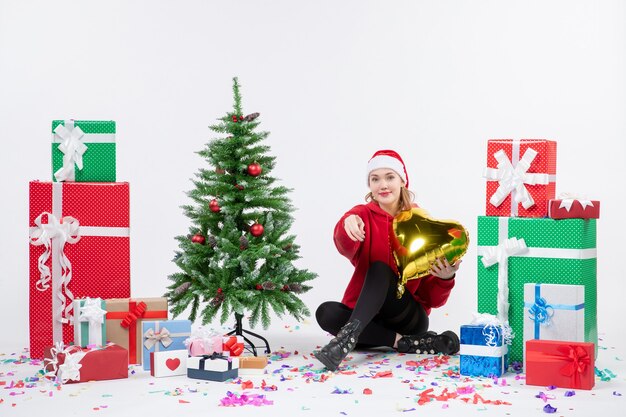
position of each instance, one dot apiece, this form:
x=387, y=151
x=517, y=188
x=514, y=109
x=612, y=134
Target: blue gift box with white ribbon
x=163, y=335
x=554, y=312
x=483, y=352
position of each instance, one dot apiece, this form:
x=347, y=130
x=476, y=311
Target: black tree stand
x=239, y=331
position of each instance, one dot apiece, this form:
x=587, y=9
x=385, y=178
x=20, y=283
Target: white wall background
x=333, y=81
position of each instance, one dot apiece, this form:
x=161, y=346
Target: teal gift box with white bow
x=163, y=335
x=554, y=312
x=90, y=322
x=83, y=150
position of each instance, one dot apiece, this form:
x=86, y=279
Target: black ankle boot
x=338, y=348
x=430, y=343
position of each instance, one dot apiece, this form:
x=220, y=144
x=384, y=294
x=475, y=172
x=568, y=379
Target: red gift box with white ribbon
x=70, y=364
x=79, y=247
x=561, y=364
x=521, y=177
x=569, y=206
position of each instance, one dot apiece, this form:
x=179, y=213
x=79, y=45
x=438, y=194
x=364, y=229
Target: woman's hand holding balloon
x=441, y=268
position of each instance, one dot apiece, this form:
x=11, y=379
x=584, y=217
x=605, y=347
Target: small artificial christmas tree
x=238, y=256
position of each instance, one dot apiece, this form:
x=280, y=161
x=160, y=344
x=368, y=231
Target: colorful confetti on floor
x=375, y=382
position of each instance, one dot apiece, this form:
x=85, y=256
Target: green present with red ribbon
x=124, y=320
x=560, y=364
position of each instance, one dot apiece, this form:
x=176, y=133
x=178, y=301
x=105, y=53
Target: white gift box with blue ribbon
x=554, y=312
x=483, y=350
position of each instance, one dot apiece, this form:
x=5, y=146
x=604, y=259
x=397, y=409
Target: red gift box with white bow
x=79, y=247
x=561, y=364
x=75, y=364
x=521, y=177
x=573, y=207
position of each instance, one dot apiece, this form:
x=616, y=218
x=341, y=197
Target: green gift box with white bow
x=514, y=251
x=83, y=150
x=90, y=322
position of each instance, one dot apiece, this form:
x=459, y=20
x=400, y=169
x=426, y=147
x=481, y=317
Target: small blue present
x=163, y=335
x=483, y=351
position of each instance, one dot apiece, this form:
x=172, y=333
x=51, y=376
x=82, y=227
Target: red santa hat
x=388, y=159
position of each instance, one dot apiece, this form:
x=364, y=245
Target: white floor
x=302, y=388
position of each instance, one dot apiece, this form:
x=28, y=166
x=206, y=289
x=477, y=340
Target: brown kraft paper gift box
x=124, y=318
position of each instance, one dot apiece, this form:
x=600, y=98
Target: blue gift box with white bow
x=554, y=312
x=163, y=335
x=483, y=352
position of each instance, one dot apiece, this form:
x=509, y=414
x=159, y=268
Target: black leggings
x=378, y=309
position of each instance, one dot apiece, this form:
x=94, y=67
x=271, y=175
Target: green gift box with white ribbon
x=83, y=150
x=90, y=322
x=514, y=251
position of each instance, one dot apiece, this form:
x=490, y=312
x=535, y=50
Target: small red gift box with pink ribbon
x=561, y=364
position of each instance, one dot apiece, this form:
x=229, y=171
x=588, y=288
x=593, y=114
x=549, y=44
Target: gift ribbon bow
x=231, y=345
x=152, y=338
x=214, y=356
x=568, y=199
x=493, y=328
x=93, y=313
x=132, y=316
x=73, y=149
x=500, y=254
x=513, y=179
x=69, y=370
x=67, y=230
x=541, y=312
x=577, y=360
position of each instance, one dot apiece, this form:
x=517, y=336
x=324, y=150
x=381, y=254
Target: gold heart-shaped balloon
x=421, y=240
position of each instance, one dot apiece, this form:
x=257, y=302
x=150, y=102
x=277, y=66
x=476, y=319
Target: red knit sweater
x=429, y=291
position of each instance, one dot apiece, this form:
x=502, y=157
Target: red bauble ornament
x=219, y=290
x=239, y=187
x=235, y=119
x=256, y=229
x=259, y=287
x=285, y=287
x=214, y=206
x=198, y=238
x=254, y=169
